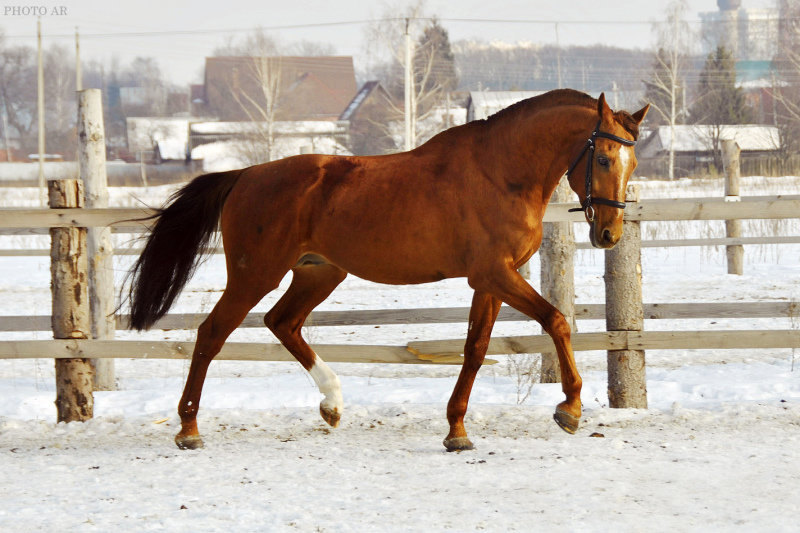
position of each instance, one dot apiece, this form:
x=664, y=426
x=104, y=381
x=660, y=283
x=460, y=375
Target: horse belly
x=392, y=249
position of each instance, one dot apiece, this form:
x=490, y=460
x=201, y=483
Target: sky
x=181, y=34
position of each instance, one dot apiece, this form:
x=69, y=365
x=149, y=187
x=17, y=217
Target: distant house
x=695, y=140
x=152, y=101
x=366, y=117
x=305, y=88
x=375, y=119
x=158, y=139
x=693, y=147
x=12, y=154
x=228, y=145
x=483, y=104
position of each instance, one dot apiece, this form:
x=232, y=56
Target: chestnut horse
x=468, y=203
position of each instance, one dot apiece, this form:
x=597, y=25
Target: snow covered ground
x=718, y=449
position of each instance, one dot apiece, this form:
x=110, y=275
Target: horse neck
x=541, y=145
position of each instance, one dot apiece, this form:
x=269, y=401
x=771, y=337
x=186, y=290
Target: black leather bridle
x=589, y=147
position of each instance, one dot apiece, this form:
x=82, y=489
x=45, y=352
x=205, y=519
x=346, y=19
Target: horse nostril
x=607, y=236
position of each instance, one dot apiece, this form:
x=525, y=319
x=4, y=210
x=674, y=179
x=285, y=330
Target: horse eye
x=602, y=161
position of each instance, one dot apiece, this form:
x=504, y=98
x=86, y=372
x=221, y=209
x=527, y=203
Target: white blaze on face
x=328, y=383
x=625, y=158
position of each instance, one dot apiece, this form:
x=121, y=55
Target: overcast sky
x=181, y=33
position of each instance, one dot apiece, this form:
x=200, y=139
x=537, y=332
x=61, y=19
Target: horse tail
x=176, y=245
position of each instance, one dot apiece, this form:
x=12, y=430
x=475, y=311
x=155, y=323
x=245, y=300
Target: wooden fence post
x=558, y=275
x=627, y=385
x=733, y=228
x=70, y=314
x=92, y=164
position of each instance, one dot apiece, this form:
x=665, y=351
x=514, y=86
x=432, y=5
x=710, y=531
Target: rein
x=586, y=205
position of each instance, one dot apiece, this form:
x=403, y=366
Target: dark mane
x=563, y=97
x=628, y=122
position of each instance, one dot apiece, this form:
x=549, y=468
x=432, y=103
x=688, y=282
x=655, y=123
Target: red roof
x=310, y=88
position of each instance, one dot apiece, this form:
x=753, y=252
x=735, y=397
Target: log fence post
x=556, y=255
x=733, y=228
x=627, y=385
x=92, y=165
x=70, y=313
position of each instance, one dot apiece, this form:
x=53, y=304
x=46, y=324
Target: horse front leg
x=482, y=316
x=508, y=285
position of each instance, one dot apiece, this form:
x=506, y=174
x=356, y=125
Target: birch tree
x=666, y=88
x=262, y=74
x=259, y=140
x=433, y=68
x=786, y=81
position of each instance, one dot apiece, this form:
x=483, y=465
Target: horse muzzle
x=603, y=237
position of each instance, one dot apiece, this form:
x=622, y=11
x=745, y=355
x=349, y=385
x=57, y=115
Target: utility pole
x=78, y=73
x=5, y=130
x=40, y=103
x=409, y=90
x=558, y=59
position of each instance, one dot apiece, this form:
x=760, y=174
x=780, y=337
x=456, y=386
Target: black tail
x=175, y=246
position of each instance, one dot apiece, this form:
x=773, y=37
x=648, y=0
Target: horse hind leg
x=310, y=286
x=232, y=307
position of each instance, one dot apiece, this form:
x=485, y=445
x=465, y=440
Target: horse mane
x=562, y=97
x=628, y=122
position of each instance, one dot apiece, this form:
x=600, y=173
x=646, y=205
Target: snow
x=221, y=156
x=280, y=127
x=718, y=449
x=697, y=138
x=171, y=135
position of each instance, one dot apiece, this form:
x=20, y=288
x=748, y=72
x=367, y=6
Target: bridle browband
x=586, y=206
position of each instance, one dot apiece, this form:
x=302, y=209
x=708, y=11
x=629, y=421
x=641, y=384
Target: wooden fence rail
x=21, y=221
x=417, y=352
x=449, y=315
x=583, y=245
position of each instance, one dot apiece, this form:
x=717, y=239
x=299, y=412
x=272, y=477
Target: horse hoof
x=458, y=444
x=331, y=416
x=566, y=421
x=189, y=442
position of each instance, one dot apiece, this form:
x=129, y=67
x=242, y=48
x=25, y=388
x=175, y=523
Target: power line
x=282, y=27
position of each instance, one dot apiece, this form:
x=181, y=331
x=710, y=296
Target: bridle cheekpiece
x=586, y=205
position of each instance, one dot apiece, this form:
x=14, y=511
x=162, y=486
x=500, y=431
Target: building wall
x=751, y=33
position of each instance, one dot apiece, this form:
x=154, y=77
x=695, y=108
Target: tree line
x=18, y=97
x=684, y=88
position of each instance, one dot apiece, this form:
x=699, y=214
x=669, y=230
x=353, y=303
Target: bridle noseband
x=586, y=206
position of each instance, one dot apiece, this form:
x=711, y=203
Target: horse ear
x=602, y=108
x=639, y=115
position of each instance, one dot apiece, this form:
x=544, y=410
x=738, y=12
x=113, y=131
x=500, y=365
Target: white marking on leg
x=329, y=385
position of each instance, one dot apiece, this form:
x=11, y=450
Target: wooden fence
x=625, y=342
x=33, y=221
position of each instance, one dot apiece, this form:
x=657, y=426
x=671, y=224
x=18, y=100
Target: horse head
x=599, y=174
